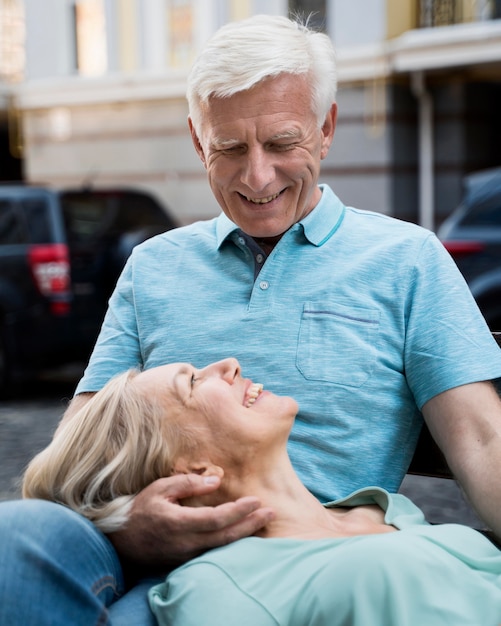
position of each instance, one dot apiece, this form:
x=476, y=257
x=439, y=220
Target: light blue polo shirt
x=359, y=316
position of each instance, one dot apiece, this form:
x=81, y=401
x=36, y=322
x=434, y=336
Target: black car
x=61, y=253
x=472, y=234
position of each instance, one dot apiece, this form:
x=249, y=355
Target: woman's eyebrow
x=180, y=386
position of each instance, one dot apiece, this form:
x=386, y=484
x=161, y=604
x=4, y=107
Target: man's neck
x=267, y=243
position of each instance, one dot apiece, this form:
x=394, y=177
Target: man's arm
x=162, y=533
x=466, y=424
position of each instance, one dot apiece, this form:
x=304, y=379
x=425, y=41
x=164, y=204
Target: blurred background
x=92, y=97
x=93, y=91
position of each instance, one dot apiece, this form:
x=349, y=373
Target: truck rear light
x=458, y=249
x=50, y=267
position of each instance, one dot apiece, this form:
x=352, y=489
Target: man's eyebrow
x=292, y=133
x=218, y=142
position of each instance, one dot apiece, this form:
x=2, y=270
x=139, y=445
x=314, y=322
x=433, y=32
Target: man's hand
x=163, y=533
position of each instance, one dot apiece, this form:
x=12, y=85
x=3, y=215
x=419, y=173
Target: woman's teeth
x=252, y=393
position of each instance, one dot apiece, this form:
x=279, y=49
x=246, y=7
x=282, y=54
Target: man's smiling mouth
x=262, y=200
x=252, y=394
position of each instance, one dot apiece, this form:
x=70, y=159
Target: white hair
x=242, y=54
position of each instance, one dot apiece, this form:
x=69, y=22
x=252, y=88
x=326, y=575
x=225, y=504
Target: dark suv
x=472, y=234
x=60, y=255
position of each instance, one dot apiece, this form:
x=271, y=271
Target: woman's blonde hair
x=105, y=454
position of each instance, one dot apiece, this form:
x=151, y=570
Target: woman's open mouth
x=252, y=394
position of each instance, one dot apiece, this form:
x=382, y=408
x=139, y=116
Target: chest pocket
x=337, y=344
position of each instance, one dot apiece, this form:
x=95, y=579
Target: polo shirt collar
x=318, y=226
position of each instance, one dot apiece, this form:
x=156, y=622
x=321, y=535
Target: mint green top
x=444, y=575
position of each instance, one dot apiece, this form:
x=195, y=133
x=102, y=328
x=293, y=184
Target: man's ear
x=328, y=128
x=196, y=141
x=202, y=468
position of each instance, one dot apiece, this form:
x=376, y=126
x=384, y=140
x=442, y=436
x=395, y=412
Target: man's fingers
x=181, y=486
x=244, y=527
x=162, y=531
x=207, y=519
x=221, y=525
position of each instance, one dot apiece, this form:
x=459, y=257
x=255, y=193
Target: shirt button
x=264, y=284
x=241, y=240
x=259, y=258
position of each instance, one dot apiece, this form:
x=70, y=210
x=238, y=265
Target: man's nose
x=258, y=170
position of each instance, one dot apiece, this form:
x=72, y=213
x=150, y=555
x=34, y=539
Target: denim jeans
x=56, y=568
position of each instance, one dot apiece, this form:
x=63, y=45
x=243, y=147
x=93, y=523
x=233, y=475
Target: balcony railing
x=446, y=12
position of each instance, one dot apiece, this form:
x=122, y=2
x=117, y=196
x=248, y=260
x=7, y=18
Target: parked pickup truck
x=61, y=252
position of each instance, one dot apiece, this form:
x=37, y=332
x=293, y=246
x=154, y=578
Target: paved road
x=26, y=427
x=27, y=424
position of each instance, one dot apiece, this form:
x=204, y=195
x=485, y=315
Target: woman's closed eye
x=193, y=380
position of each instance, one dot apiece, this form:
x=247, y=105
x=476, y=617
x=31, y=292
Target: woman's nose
x=227, y=369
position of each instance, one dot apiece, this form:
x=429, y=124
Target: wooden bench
x=428, y=460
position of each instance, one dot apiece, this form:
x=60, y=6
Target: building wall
x=50, y=48
x=356, y=22
x=129, y=126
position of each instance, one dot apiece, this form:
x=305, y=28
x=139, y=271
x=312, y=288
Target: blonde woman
x=369, y=558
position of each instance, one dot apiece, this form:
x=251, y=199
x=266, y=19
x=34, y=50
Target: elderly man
x=365, y=320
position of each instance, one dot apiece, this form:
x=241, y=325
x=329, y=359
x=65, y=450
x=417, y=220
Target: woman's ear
x=202, y=468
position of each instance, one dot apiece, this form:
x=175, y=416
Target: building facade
x=101, y=97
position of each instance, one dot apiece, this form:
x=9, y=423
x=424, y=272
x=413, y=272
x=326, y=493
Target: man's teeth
x=263, y=200
x=252, y=393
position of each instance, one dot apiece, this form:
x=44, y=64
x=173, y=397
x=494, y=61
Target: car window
x=486, y=213
x=37, y=219
x=95, y=215
x=11, y=225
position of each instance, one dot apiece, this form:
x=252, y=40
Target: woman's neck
x=298, y=514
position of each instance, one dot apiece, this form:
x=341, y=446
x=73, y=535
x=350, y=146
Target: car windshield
x=485, y=213
x=92, y=215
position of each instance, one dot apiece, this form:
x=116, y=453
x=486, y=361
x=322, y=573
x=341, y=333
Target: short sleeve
x=448, y=342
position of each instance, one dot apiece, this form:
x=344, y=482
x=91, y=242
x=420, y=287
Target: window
x=37, y=220
x=444, y=12
x=11, y=40
x=90, y=31
x=486, y=213
x=181, y=33
x=438, y=12
x=90, y=216
x=11, y=230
